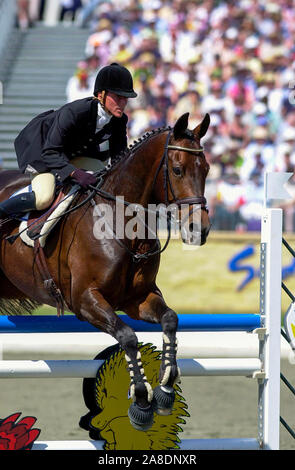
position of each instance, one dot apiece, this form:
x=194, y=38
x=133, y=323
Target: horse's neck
x=133, y=178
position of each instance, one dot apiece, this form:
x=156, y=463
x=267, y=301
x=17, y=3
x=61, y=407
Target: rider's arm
x=59, y=135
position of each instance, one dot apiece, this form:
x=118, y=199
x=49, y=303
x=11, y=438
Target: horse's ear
x=202, y=128
x=180, y=126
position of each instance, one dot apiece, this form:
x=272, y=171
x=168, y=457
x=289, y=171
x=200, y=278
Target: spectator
x=81, y=84
x=88, y=10
x=238, y=131
x=251, y=209
x=229, y=199
x=258, y=155
x=289, y=206
x=69, y=9
x=24, y=20
x=285, y=151
x=233, y=59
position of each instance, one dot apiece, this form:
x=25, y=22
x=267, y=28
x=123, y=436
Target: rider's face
x=115, y=104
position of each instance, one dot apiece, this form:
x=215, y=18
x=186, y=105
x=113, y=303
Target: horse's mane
x=124, y=154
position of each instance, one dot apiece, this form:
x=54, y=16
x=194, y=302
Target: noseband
x=167, y=180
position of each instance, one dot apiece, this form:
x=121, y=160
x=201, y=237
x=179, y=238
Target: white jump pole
x=245, y=367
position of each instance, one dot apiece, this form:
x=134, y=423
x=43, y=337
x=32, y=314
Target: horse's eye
x=177, y=170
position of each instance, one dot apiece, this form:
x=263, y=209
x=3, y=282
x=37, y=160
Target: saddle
x=40, y=223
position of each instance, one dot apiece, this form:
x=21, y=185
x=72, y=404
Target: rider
x=60, y=145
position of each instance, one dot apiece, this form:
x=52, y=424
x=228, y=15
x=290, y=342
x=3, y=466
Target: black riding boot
x=21, y=203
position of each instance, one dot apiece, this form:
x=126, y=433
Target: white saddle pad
x=49, y=223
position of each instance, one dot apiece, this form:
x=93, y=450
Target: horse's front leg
x=154, y=309
x=97, y=311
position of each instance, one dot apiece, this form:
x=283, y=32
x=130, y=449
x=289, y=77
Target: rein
x=136, y=257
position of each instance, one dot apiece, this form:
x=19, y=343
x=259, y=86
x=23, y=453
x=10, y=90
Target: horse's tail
x=17, y=306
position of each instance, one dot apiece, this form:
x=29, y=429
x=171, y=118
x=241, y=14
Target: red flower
x=17, y=436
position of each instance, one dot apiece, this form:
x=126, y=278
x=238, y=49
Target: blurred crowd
x=28, y=12
x=232, y=59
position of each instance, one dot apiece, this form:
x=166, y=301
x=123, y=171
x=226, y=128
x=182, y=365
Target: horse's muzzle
x=204, y=234
x=193, y=235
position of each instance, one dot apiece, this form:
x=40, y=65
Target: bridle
x=201, y=200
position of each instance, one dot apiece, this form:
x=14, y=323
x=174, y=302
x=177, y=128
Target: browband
x=185, y=149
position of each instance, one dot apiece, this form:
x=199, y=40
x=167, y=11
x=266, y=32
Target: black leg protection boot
x=21, y=203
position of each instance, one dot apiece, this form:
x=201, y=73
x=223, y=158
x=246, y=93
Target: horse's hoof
x=141, y=418
x=163, y=400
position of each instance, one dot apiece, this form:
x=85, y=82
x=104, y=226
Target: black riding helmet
x=115, y=78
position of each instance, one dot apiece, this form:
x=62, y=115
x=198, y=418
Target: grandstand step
x=6, y=146
x=60, y=79
x=58, y=97
x=7, y=136
x=9, y=164
x=31, y=100
x=24, y=110
x=30, y=86
x=8, y=155
x=48, y=62
x=51, y=42
x=45, y=61
x=9, y=160
x=46, y=75
x=14, y=119
x=10, y=128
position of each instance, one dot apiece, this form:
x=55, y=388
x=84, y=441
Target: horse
x=97, y=277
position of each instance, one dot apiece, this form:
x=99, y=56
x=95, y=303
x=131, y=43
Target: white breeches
x=43, y=186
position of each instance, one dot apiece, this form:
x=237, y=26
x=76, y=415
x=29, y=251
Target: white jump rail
x=85, y=368
x=198, y=344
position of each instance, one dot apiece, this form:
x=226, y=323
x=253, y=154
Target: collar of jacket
x=93, y=115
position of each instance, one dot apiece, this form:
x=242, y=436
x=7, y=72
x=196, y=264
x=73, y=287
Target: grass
x=199, y=281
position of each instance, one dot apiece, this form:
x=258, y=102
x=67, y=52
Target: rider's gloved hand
x=83, y=178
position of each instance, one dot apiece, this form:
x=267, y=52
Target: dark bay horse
x=98, y=277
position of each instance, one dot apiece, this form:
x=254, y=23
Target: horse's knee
x=169, y=321
x=127, y=339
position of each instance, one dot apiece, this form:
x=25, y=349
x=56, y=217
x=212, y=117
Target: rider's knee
x=43, y=186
